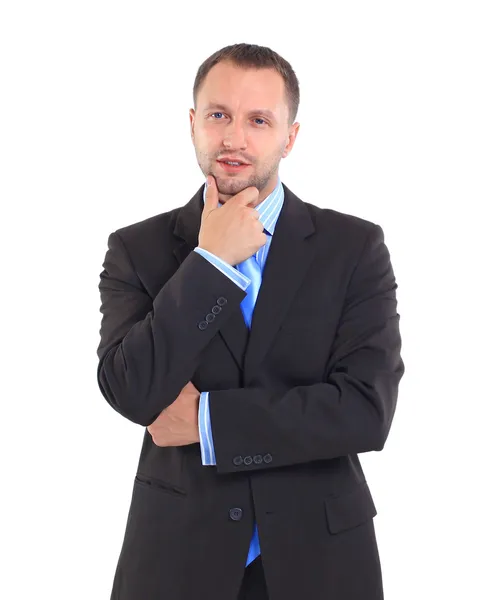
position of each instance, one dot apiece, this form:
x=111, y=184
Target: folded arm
x=350, y=412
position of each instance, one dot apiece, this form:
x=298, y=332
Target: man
x=256, y=337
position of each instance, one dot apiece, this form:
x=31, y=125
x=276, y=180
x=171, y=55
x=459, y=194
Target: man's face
x=242, y=113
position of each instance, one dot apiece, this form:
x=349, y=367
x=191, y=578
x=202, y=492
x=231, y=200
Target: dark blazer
x=293, y=402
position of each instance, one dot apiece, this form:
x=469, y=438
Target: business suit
x=293, y=402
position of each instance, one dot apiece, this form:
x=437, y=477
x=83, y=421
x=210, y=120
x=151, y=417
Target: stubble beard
x=230, y=185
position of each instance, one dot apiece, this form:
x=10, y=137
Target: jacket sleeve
x=204, y=427
x=149, y=349
x=348, y=413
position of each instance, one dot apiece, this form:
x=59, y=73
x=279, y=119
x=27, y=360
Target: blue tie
x=251, y=269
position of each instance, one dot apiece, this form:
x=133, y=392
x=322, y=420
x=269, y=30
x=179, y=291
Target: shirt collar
x=269, y=208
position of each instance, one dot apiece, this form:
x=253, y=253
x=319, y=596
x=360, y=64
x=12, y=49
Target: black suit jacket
x=293, y=402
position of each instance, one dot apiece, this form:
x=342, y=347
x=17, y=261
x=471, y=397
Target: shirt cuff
x=205, y=431
x=236, y=277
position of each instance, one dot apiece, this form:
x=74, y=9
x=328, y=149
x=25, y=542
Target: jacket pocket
x=350, y=509
x=158, y=485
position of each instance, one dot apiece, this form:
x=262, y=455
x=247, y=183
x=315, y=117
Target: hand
x=233, y=231
x=177, y=425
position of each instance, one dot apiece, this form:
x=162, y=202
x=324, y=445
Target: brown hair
x=258, y=57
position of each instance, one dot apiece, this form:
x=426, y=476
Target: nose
x=234, y=135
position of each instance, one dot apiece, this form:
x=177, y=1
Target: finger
x=211, y=195
x=248, y=196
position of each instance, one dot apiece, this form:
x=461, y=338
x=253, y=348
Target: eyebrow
x=259, y=111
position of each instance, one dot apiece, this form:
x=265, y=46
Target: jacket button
x=221, y=301
x=203, y=325
x=257, y=459
x=238, y=460
x=268, y=458
x=210, y=317
x=236, y=514
x=248, y=460
x=216, y=309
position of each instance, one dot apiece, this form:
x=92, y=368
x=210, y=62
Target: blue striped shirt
x=269, y=210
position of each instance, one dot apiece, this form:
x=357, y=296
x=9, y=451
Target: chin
x=231, y=186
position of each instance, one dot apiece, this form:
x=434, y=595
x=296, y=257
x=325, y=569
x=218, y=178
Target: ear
x=292, y=135
x=192, y=122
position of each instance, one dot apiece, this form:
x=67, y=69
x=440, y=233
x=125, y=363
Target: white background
x=398, y=126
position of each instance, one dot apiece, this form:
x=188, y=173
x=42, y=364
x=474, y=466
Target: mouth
x=230, y=167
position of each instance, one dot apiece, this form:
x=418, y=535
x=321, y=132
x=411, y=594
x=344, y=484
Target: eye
x=260, y=119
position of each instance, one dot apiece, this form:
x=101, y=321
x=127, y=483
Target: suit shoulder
x=150, y=227
x=345, y=222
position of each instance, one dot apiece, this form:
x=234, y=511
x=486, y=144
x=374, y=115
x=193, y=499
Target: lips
x=232, y=168
x=237, y=160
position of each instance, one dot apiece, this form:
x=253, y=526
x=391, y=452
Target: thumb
x=211, y=195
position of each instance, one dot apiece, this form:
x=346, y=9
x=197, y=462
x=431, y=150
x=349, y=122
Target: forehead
x=243, y=88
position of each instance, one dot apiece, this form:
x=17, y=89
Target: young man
x=256, y=337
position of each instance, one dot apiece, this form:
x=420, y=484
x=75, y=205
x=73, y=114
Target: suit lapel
x=288, y=260
x=287, y=263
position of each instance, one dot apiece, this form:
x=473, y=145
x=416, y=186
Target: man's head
x=246, y=99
